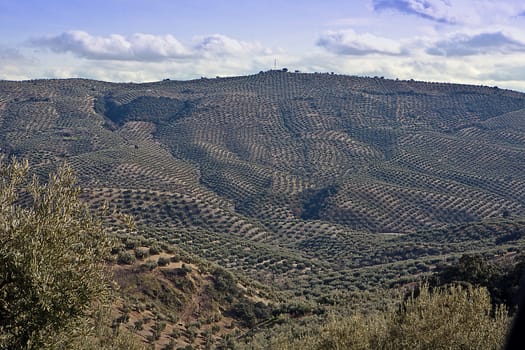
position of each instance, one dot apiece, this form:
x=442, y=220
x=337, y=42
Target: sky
x=478, y=42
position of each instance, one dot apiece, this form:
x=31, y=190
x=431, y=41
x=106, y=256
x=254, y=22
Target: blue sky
x=477, y=42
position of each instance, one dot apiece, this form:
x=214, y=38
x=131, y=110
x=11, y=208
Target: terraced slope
x=300, y=175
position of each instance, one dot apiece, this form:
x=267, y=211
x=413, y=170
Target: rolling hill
x=312, y=183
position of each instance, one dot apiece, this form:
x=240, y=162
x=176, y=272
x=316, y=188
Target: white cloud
x=10, y=54
x=492, y=56
x=492, y=69
x=505, y=74
x=464, y=44
x=457, y=12
x=14, y=64
x=495, y=69
x=348, y=42
x=436, y=10
x=145, y=47
x=137, y=47
x=218, y=44
x=209, y=58
x=146, y=57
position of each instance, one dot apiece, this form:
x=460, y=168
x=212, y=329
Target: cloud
x=476, y=44
x=435, y=10
x=218, y=44
x=14, y=64
x=348, y=42
x=456, y=12
x=144, y=47
x=137, y=47
x=343, y=51
x=505, y=73
x=10, y=54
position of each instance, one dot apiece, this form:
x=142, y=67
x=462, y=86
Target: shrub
x=125, y=258
x=141, y=253
x=163, y=261
x=154, y=250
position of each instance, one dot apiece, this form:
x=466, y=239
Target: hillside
x=312, y=183
x=171, y=300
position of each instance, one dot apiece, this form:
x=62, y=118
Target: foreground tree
x=52, y=260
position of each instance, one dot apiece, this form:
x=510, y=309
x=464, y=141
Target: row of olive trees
x=54, y=282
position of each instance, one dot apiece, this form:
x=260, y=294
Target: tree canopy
x=52, y=259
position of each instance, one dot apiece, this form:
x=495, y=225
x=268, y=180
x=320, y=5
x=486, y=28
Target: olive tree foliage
x=454, y=317
x=52, y=259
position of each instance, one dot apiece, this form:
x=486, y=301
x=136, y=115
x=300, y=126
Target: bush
x=154, y=250
x=163, y=261
x=125, y=258
x=141, y=253
x=224, y=282
x=248, y=312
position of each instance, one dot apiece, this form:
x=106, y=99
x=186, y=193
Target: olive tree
x=449, y=318
x=52, y=259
